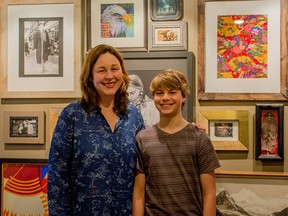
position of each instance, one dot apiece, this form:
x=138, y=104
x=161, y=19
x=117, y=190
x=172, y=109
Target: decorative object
x=269, y=132
x=228, y=129
x=24, y=186
x=167, y=10
x=24, y=127
x=104, y=26
x=242, y=61
x=147, y=65
x=167, y=36
x=21, y=19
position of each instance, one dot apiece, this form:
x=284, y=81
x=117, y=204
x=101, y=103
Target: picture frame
x=24, y=186
x=147, y=64
x=55, y=112
x=238, y=120
x=212, y=88
x=167, y=36
x=166, y=11
x=247, y=190
x=65, y=84
x=24, y=127
x=269, y=132
x=128, y=34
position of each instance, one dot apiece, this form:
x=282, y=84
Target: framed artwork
x=30, y=69
x=147, y=65
x=248, y=193
x=269, y=132
x=168, y=10
x=129, y=33
x=24, y=127
x=227, y=129
x=167, y=36
x=242, y=48
x=24, y=186
x=54, y=115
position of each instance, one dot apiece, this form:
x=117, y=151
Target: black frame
x=177, y=13
x=262, y=109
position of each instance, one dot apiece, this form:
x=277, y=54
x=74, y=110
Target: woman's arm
x=139, y=195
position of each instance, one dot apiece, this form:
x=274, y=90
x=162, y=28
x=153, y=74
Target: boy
x=176, y=160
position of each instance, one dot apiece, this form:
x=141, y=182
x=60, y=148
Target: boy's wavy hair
x=90, y=96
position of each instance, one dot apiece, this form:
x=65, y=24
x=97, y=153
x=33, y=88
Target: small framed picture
x=166, y=10
x=269, y=131
x=167, y=36
x=24, y=127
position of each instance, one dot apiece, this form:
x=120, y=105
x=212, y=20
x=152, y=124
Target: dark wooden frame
x=156, y=16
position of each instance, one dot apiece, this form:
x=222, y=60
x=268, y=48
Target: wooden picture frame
x=127, y=34
x=269, y=132
x=54, y=115
x=247, y=190
x=147, y=64
x=24, y=127
x=161, y=10
x=15, y=86
x=224, y=143
x=167, y=36
x=232, y=89
x=24, y=186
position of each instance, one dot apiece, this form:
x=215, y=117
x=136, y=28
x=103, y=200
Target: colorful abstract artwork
x=24, y=189
x=242, y=46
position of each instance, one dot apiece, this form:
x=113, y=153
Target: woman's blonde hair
x=90, y=96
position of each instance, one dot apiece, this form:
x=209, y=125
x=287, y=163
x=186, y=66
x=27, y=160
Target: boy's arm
x=139, y=195
x=208, y=193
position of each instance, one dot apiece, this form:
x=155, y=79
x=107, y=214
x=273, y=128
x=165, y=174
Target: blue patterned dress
x=91, y=168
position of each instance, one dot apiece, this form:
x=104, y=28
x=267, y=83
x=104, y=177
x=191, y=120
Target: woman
x=93, y=153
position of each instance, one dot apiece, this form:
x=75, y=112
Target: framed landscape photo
x=166, y=10
x=117, y=23
x=24, y=127
x=269, y=132
x=24, y=186
x=167, y=36
x=242, y=48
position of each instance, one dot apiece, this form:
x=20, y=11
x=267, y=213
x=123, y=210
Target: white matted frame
x=101, y=28
x=14, y=86
x=24, y=127
x=211, y=88
x=167, y=36
x=240, y=143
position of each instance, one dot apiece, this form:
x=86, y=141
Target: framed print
x=54, y=115
x=117, y=23
x=269, y=131
x=168, y=10
x=242, y=48
x=248, y=193
x=24, y=127
x=227, y=129
x=24, y=186
x=145, y=66
x=167, y=36
x=41, y=67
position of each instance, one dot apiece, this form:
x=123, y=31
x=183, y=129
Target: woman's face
x=133, y=94
x=107, y=75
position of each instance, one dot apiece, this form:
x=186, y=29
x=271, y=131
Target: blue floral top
x=91, y=168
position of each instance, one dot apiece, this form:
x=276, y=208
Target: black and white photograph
x=23, y=126
x=41, y=47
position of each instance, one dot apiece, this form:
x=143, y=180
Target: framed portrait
x=242, y=48
x=24, y=127
x=247, y=190
x=143, y=67
x=129, y=33
x=168, y=10
x=269, y=132
x=41, y=47
x=227, y=129
x=24, y=186
x=167, y=36
x=41, y=67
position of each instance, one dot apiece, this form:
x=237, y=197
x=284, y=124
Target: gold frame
x=78, y=31
x=242, y=144
x=204, y=96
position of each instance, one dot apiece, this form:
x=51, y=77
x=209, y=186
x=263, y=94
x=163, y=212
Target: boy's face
x=169, y=102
